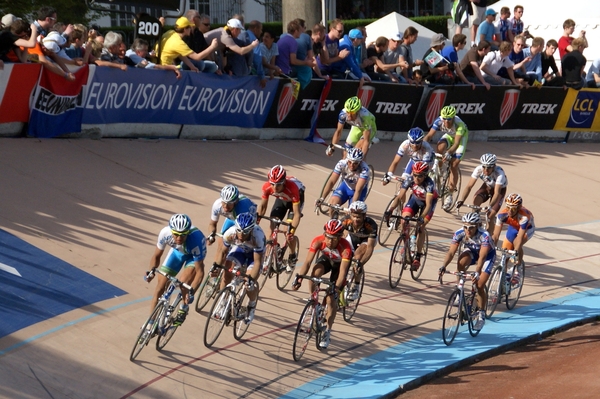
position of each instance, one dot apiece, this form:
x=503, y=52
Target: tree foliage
x=68, y=11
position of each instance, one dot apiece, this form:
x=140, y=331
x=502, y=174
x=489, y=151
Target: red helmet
x=420, y=167
x=334, y=227
x=277, y=174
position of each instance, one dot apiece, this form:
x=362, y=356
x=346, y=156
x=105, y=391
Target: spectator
x=564, y=43
x=503, y=27
x=476, y=18
x=349, y=63
x=487, y=29
x=460, y=15
x=495, y=60
x=77, y=39
x=450, y=53
x=573, y=64
x=471, y=63
x=517, y=56
x=288, y=47
x=405, y=50
x=534, y=52
x=319, y=50
x=20, y=34
x=554, y=78
x=517, y=24
x=331, y=44
x=238, y=64
x=304, y=53
x=418, y=77
x=392, y=56
x=54, y=43
x=110, y=52
x=173, y=47
x=7, y=20
x=225, y=39
x=378, y=70
x=360, y=50
x=136, y=57
x=269, y=52
x=254, y=32
x=196, y=40
x=592, y=78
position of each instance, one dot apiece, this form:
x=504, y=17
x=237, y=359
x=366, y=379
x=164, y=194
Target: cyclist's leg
x=253, y=272
x=359, y=253
x=171, y=266
x=465, y=259
x=511, y=234
x=354, y=136
x=236, y=259
x=458, y=156
x=444, y=143
x=278, y=211
x=341, y=195
x=481, y=195
x=420, y=235
x=494, y=208
x=331, y=305
x=321, y=267
x=488, y=265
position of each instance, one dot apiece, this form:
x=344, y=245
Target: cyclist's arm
x=365, y=142
x=483, y=253
x=394, y=164
x=297, y=216
x=199, y=275
x=155, y=260
x=330, y=183
x=467, y=189
x=310, y=256
x=497, y=231
x=262, y=207
x=428, y=204
x=337, y=133
x=339, y=284
x=429, y=135
x=221, y=255
x=496, y=196
x=371, y=242
x=399, y=197
x=518, y=241
x=359, y=187
x=457, y=139
x=450, y=254
x=258, y=259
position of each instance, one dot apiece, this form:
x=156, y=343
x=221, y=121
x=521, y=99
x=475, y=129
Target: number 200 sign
x=146, y=28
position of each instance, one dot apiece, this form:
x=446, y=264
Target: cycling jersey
x=458, y=128
x=425, y=153
x=192, y=250
x=254, y=243
x=291, y=192
x=497, y=177
x=421, y=191
x=522, y=220
x=481, y=239
x=243, y=205
x=349, y=177
x=365, y=120
x=366, y=231
x=343, y=251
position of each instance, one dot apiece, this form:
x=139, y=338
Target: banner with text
x=580, y=111
x=156, y=96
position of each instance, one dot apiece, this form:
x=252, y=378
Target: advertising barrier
x=17, y=82
x=580, y=111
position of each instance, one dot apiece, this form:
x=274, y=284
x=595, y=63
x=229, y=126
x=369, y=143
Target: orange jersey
x=522, y=220
x=343, y=251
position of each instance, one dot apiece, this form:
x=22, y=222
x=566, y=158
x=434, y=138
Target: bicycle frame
x=504, y=285
x=273, y=262
x=402, y=254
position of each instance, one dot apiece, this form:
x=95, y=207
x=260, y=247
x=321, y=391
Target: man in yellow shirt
x=173, y=47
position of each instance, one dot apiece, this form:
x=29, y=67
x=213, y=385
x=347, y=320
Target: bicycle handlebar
x=276, y=221
x=460, y=274
x=510, y=252
x=476, y=208
x=336, y=207
x=170, y=278
x=393, y=177
x=317, y=280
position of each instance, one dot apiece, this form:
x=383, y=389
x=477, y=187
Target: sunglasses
x=244, y=231
x=179, y=234
x=511, y=207
x=340, y=31
x=488, y=166
x=330, y=236
x=276, y=184
x=447, y=119
x=470, y=227
x=205, y=24
x=416, y=142
x=419, y=176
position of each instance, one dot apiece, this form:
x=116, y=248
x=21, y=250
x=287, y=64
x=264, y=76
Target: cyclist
x=335, y=258
x=243, y=245
x=362, y=235
x=520, y=225
x=493, y=187
x=422, y=202
x=187, y=250
x=478, y=249
x=289, y=194
x=416, y=149
x=453, y=143
x=355, y=180
x=230, y=204
x=363, y=130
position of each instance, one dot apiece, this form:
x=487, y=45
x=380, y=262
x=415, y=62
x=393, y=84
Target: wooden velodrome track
x=99, y=205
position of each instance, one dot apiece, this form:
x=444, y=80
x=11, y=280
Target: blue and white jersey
x=425, y=153
x=497, y=177
x=194, y=245
x=480, y=240
x=351, y=177
x=244, y=205
x=255, y=242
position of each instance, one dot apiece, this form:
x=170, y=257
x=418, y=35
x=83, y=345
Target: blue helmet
x=245, y=222
x=354, y=155
x=416, y=135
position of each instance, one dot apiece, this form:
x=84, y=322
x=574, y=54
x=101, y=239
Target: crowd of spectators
x=498, y=55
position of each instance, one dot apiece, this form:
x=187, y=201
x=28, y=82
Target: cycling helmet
x=448, y=112
x=416, y=135
x=277, y=174
x=355, y=155
x=420, y=168
x=488, y=160
x=358, y=206
x=352, y=104
x=471, y=218
x=230, y=193
x=245, y=222
x=514, y=200
x=334, y=227
x=180, y=223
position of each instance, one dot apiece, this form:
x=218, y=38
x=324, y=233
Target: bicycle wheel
x=472, y=314
x=166, y=327
x=324, y=209
x=321, y=324
x=219, y=312
x=371, y=180
x=452, y=318
x=239, y=311
x=385, y=229
x=351, y=306
x=283, y=276
x=494, y=286
x=516, y=286
x=417, y=273
x=268, y=264
x=144, y=336
x=208, y=290
x=304, y=331
x=397, y=261
x=445, y=191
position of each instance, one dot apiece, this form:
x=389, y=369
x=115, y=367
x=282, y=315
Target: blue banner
x=157, y=96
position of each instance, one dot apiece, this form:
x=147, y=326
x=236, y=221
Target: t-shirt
x=563, y=43
x=304, y=46
x=502, y=27
x=465, y=63
x=372, y=52
x=516, y=25
x=487, y=29
x=449, y=53
x=594, y=69
x=269, y=53
x=572, y=64
x=196, y=41
x=406, y=52
x=287, y=45
x=495, y=61
x=7, y=42
x=173, y=46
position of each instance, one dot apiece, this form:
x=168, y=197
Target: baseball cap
x=437, y=40
x=355, y=34
x=396, y=37
x=54, y=41
x=490, y=11
x=183, y=22
x=8, y=19
x=235, y=24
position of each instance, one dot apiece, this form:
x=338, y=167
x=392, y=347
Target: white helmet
x=180, y=223
x=358, y=206
x=230, y=193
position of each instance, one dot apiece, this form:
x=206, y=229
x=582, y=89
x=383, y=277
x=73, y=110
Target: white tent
x=393, y=23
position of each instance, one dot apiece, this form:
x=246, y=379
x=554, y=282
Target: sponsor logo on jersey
x=509, y=104
x=366, y=94
x=584, y=110
x=286, y=102
x=434, y=106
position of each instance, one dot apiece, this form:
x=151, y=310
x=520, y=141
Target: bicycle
x=162, y=320
x=401, y=258
x=337, y=209
x=459, y=311
x=385, y=228
x=313, y=318
x=350, y=305
x=504, y=285
x=481, y=210
x=273, y=261
x=369, y=184
x=230, y=305
x=208, y=290
x=441, y=177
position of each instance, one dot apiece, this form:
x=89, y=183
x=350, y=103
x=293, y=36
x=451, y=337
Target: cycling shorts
x=488, y=264
x=356, y=135
x=345, y=193
x=462, y=147
x=511, y=233
x=486, y=193
x=414, y=207
x=174, y=262
x=329, y=266
x=241, y=258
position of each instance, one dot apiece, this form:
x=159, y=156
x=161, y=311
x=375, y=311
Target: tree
x=69, y=11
